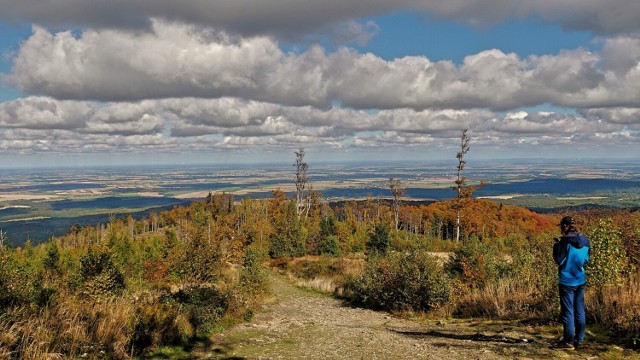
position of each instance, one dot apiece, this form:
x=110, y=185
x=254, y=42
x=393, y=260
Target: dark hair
x=567, y=220
x=569, y=224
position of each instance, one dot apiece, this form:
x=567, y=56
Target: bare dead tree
x=461, y=181
x=397, y=190
x=302, y=178
x=3, y=237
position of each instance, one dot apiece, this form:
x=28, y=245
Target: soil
x=302, y=324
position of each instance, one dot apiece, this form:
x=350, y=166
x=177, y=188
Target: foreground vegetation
x=128, y=287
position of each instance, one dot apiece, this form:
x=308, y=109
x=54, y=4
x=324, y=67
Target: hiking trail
x=297, y=323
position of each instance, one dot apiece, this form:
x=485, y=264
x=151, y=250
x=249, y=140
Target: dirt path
x=300, y=324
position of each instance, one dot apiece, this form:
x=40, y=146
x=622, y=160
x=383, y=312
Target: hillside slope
x=300, y=324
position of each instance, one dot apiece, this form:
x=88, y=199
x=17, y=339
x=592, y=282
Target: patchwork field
x=36, y=204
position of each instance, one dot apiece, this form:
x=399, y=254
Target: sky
x=89, y=82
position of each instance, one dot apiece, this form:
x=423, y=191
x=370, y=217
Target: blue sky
x=161, y=82
x=405, y=34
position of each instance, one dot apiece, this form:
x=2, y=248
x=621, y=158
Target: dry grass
x=328, y=285
x=617, y=307
x=321, y=273
x=69, y=329
x=507, y=298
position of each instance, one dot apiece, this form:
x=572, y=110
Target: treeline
x=124, y=288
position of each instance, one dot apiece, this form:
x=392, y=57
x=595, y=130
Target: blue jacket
x=570, y=254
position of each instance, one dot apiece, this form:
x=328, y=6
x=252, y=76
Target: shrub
x=195, y=261
x=99, y=276
x=533, y=266
x=309, y=267
x=21, y=278
x=398, y=281
x=476, y=263
x=608, y=264
x=254, y=276
x=9, y=278
x=205, y=307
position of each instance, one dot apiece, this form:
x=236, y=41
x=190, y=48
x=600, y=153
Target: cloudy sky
x=89, y=82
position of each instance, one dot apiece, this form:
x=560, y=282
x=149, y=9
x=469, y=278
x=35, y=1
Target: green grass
x=169, y=352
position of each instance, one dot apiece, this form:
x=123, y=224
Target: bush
x=533, y=266
x=254, y=277
x=99, y=276
x=204, y=306
x=476, y=263
x=608, y=264
x=397, y=281
x=21, y=278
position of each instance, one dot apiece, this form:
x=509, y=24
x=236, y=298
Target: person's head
x=567, y=224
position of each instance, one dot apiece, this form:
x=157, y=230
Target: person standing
x=571, y=252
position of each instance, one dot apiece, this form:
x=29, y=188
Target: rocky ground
x=301, y=324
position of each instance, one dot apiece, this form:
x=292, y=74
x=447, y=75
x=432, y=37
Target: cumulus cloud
x=392, y=139
x=629, y=117
x=283, y=18
x=158, y=75
x=44, y=113
x=237, y=116
x=183, y=61
x=125, y=119
x=194, y=124
x=115, y=65
x=620, y=54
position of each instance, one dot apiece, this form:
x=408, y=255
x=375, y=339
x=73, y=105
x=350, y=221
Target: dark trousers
x=572, y=313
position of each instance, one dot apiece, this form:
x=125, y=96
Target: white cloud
x=184, y=61
x=192, y=124
x=629, y=117
x=43, y=113
x=161, y=75
x=115, y=65
x=392, y=139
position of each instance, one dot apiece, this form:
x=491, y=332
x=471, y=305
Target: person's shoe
x=578, y=345
x=563, y=346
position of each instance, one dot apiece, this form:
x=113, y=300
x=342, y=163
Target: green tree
x=287, y=237
x=379, y=240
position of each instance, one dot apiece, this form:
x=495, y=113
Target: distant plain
x=39, y=203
